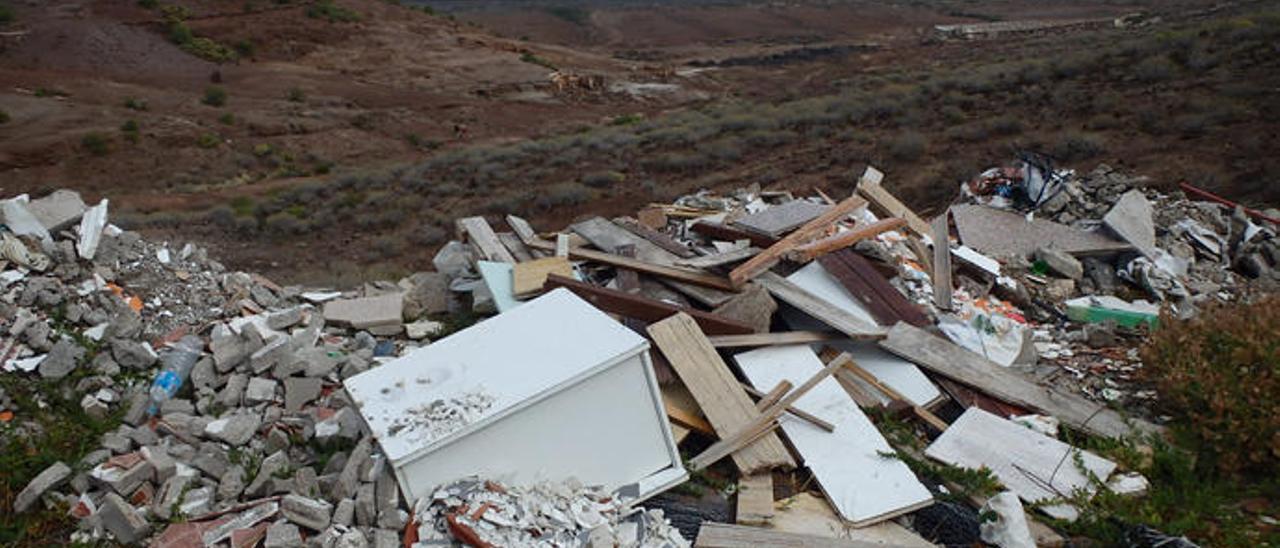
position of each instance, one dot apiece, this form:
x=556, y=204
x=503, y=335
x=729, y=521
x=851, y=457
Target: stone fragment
x=163, y=465
x=231, y=484
x=51, y=477
x=170, y=496
x=284, y=319
x=1060, y=263
x=349, y=479
x=62, y=359
x=92, y=224
x=388, y=500
x=204, y=375
x=249, y=538
x=235, y=430
x=367, y=312
x=211, y=460
x=366, y=505
x=260, y=390
x=422, y=329
x=180, y=406
x=385, y=538
x=274, y=352
x=58, y=210
x=270, y=466
x=116, y=442
x=233, y=393
x=305, y=482
x=123, y=481
x=426, y=293
x=283, y=535
x=122, y=520
x=16, y=215
x=94, y=407
x=1131, y=219
x=1103, y=276
x=299, y=391
x=242, y=520
x=345, y=512
x=353, y=538
x=228, y=349
x=310, y=513
x=132, y=354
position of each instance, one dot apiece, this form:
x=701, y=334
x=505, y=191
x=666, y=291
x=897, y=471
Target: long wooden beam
x=773, y=339
x=817, y=248
x=641, y=308
x=769, y=257
x=670, y=272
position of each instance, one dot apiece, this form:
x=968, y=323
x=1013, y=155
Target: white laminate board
x=500, y=280
x=1033, y=465
x=511, y=358
x=863, y=486
x=897, y=373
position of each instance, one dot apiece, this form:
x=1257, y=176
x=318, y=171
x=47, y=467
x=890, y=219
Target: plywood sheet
x=528, y=277
x=755, y=499
x=862, y=485
x=481, y=235
x=725, y=404
x=808, y=514
x=1004, y=234
x=1035, y=466
x=782, y=218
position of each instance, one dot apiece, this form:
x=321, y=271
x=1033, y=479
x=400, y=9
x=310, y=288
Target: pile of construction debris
x=256, y=414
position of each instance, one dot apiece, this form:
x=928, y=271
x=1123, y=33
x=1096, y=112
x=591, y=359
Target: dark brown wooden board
x=649, y=310
x=718, y=231
x=861, y=279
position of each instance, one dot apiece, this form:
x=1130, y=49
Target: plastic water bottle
x=175, y=366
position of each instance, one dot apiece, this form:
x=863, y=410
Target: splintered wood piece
x=654, y=237
x=717, y=392
x=481, y=235
x=774, y=339
x=942, y=262
x=755, y=499
x=818, y=248
x=771, y=397
x=793, y=410
x=949, y=360
x=641, y=308
x=529, y=277
x=920, y=412
x=769, y=257
x=562, y=245
x=869, y=186
x=516, y=246
x=753, y=307
x=670, y=272
x=682, y=410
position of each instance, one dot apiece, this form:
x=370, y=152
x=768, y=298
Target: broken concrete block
x=244, y=520
x=260, y=390
x=61, y=360
x=284, y=318
x=305, y=482
x=1060, y=263
x=283, y=535
x=422, y=329
x=58, y=210
x=366, y=505
x=92, y=223
x=310, y=513
x=384, y=538
x=170, y=496
x=249, y=538
x=94, y=407
x=271, y=354
x=299, y=391
x=162, y=464
x=16, y=215
x=425, y=293
x=349, y=479
x=231, y=484
x=228, y=349
x=387, y=492
x=235, y=430
x=353, y=538
x=271, y=465
x=133, y=354
x=1131, y=219
x=211, y=460
x=51, y=477
x=122, y=520
x=366, y=312
x=345, y=513
x=122, y=480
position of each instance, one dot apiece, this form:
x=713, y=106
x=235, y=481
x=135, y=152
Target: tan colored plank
x=808, y=514
x=772, y=396
x=678, y=274
x=776, y=338
x=516, y=246
x=869, y=186
x=717, y=392
x=755, y=499
x=920, y=412
x=481, y=235
x=683, y=410
x=723, y=535
x=529, y=277
x=769, y=257
x=835, y=242
x=942, y=262
x=813, y=419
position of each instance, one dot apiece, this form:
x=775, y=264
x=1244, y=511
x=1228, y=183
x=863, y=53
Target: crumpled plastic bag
x=1009, y=529
x=13, y=249
x=1161, y=278
x=986, y=328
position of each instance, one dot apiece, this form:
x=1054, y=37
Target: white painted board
x=1033, y=465
x=897, y=373
x=564, y=391
x=498, y=278
x=863, y=486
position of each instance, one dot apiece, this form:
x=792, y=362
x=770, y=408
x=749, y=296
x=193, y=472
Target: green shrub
x=96, y=143
x=603, y=179
x=149, y=4
x=208, y=140
x=245, y=48
x=573, y=14
x=563, y=194
x=907, y=146
x=209, y=50
x=534, y=59
x=214, y=96
x=296, y=95
x=180, y=33
x=227, y=119
x=130, y=130
x=326, y=9
x=1155, y=69
x=6, y=14
x=4, y=116
x=1078, y=146
x=133, y=103
x=1218, y=376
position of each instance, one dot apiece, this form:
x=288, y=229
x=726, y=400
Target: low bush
x=563, y=194
x=214, y=96
x=326, y=9
x=96, y=143
x=296, y=95
x=603, y=179
x=1078, y=146
x=907, y=146
x=133, y=103
x=4, y=116
x=1218, y=376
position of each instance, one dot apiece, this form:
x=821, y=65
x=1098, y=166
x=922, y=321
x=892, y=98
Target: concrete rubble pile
x=770, y=326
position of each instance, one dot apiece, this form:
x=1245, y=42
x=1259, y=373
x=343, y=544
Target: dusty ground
x=351, y=144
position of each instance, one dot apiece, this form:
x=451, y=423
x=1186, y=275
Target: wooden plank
x=768, y=418
x=688, y=420
x=782, y=218
x=809, y=514
x=952, y=361
x=968, y=397
x=628, y=280
x=765, y=402
x=863, y=281
x=656, y=238
x=1035, y=466
x=717, y=231
x=755, y=499
x=640, y=308
x=516, y=246
x=522, y=229
x=529, y=277
x=942, y=261
x=717, y=392
x=841, y=240
x=562, y=245
x=920, y=412
x=773, y=339
x=720, y=259
x=705, y=288
x=870, y=187
x=481, y=235
x=753, y=307
x=670, y=272
x=722, y=535
x=848, y=464
x=771, y=397
x=840, y=320
x=769, y=257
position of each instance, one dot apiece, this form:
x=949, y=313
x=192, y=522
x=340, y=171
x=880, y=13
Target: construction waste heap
x=745, y=335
